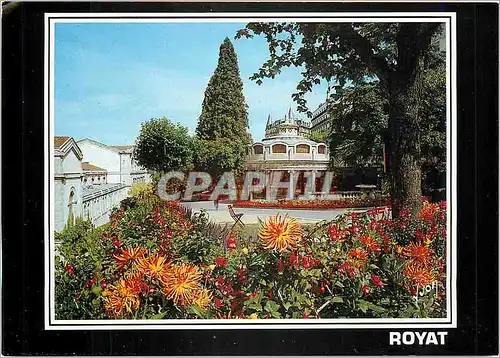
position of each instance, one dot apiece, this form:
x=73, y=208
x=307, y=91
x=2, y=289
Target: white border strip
x=341, y=323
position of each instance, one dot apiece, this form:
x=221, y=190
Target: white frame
x=449, y=18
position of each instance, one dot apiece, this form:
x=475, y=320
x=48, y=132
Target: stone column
x=313, y=180
x=291, y=186
x=268, y=184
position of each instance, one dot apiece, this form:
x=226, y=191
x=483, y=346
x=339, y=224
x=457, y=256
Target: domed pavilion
x=287, y=153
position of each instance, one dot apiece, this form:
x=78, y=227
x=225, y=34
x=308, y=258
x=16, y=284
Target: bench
x=236, y=217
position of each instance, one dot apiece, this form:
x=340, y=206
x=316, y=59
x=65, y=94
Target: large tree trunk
x=405, y=90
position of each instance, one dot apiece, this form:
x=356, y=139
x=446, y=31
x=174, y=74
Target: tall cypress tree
x=224, y=111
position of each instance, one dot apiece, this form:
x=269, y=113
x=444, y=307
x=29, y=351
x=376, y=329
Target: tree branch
x=365, y=50
x=412, y=40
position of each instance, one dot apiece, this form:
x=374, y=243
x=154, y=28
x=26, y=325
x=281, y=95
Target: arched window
x=279, y=148
x=258, y=149
x=321, y=149
x=303, y=148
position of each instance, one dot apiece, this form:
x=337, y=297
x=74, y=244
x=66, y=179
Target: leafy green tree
x=359, y=115
x=359, y=120
x=394, y=54
x=163, y=146
x=218, y=156
x=319, y=137
x=224, y=110
x=221, y=133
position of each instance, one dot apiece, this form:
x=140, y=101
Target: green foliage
x=224, y=111
x=319, y=137
x=138, y=190
x=222, y=126
x=359, y=115
x=220, y=155
x=80, y=257
x=163, y=146
x=359, y=123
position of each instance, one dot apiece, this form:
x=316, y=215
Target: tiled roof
x=59, y=141
x=90, y=167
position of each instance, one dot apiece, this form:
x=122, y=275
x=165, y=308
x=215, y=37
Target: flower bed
x=155, y=260
x=349, y=203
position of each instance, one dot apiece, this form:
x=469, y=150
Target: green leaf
x=97, y=290
x=362, y=305
x=271, y=306
x=197, y=311
x=159, y=315
x=337, y=299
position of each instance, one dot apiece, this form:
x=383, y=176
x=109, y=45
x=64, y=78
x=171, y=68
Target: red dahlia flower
x=364, y=290
x=376, y=281
x=347, y=268
x=69, y=269
x=221, y=261
x=230, y=243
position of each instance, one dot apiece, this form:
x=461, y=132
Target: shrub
x=141, y=190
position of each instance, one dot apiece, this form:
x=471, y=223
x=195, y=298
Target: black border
x=23, y=200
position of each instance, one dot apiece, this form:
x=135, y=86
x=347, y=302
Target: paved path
x=251, y=215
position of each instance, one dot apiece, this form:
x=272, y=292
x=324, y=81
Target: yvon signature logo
x=420, y=338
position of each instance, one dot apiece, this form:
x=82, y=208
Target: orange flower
x=203, y=299
x=418, y=253
x=130, y=254
x=357, y=258
x=182, y=283
x=280, y=233
x=418, y=274
x=428, y=212
x=357, y=253
x=153, y=266
x=121, y=297
x=369, y=243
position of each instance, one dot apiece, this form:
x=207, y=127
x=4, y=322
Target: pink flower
x=293, y=260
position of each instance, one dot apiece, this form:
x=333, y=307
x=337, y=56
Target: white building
x=90, y=190
x=285, y=152
x=116, y=160
x=301, y=127
x=68, y=176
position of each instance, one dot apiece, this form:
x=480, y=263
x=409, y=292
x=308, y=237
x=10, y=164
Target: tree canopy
x=392, y=54
x=218, y=156
x=221, y=133
x=359, y=115
x=163, y=146
x=224, y=110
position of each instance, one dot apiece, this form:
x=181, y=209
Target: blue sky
x=109, y=78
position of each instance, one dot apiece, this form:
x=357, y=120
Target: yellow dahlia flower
x=280, y=233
